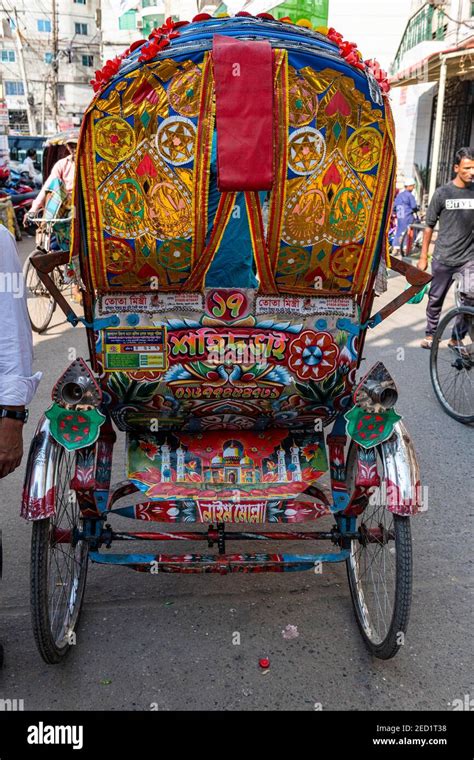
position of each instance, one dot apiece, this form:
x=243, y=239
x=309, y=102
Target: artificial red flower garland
x=380, y=75
x=157, y=40
x=161, y=37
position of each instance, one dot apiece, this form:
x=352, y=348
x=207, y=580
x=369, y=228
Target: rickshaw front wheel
x=59, y=559
x=379, y=569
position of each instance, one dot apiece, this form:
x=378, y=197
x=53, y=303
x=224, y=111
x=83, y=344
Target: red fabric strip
x=243, y=74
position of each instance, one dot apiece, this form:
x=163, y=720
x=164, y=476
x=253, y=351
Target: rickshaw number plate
x=134, y=348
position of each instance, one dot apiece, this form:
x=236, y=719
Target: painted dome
x=231, y=451
x=217, y=460
x=246, y=462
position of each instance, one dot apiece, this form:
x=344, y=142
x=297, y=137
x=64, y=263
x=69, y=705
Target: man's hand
x=423, y=263
x=425, y=247
x=11, y=445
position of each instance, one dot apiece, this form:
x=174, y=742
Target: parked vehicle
x=225, y=347
x=18, y=146
x=15, y=187
x=452, y=360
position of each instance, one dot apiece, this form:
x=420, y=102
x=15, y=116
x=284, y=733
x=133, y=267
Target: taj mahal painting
x=248, y=459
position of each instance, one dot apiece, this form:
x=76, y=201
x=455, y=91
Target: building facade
x=50, y=49
x=60, y=52
x=436, y=31
x=122, y=27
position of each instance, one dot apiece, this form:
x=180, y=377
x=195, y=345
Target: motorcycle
x=15, y=186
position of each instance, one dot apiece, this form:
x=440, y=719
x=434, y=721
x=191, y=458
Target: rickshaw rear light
x=72, y=393
x=377, y=391
x=380, y=396
x=77, y=388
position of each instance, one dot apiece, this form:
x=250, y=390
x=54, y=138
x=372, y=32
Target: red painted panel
x=243, y=74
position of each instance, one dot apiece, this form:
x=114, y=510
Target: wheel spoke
x=452, y=367
x=373, y=568
x=67, y=562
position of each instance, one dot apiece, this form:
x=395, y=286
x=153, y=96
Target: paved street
x=168, y=639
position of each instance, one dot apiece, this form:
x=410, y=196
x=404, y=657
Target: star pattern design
x=175, y=140
x=306, y=150
x=115, y=139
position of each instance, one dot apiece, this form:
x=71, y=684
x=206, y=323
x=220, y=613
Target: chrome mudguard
x=38, y=489
x=404, y=494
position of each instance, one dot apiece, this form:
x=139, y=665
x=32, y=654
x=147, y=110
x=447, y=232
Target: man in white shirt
x=28, y=165
x=17, y=382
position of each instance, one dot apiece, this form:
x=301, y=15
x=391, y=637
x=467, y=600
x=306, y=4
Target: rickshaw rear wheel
x=380, y=571
x=59, y=559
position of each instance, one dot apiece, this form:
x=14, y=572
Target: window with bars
x=7, y=56
x=428, y=24
x=80, y=28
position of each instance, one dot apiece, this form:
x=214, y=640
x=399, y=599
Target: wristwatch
x=13, y=415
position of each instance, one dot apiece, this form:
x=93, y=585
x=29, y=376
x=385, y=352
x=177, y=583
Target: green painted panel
x=315, y=11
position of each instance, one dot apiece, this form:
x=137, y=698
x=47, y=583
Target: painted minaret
x=180, y=464
x=281, y=466
x=165, y=463
x=295, y=460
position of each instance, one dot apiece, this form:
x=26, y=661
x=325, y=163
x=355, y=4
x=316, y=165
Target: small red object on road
x=264, y=662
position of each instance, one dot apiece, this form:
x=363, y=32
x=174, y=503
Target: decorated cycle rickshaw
x=234, y=188
x=52, y=226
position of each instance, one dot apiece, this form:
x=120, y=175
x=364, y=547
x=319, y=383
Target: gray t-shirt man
x=454, y=207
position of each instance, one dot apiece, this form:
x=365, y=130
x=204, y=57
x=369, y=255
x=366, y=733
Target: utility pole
x=21, y=60
x=54, y=84
x=4, y=151
x=43, y=107
x=98, y=23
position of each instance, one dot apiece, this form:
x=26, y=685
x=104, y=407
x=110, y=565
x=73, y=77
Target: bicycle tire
x=403, y=243
x=434, y=371
x=39, y=323
x=386, y=646
x=54, y=639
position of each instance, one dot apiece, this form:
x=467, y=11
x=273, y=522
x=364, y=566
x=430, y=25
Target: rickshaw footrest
x=208, y=563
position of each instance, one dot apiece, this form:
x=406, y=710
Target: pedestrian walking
x=452, y=206
x=405, y=206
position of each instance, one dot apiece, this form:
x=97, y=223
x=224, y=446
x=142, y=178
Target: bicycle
x=412, y=239
x=40, y=303
x=452, y=361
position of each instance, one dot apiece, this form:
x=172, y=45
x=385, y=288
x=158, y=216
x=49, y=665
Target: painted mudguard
x=404, y=494
x=38, y=489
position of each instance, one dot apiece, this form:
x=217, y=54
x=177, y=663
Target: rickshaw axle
x=219, y=536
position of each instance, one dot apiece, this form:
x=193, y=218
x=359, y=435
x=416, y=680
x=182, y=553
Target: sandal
x=458, y=345
x=427, y=342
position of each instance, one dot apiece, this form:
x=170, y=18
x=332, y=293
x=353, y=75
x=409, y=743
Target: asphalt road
x=167, y=641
